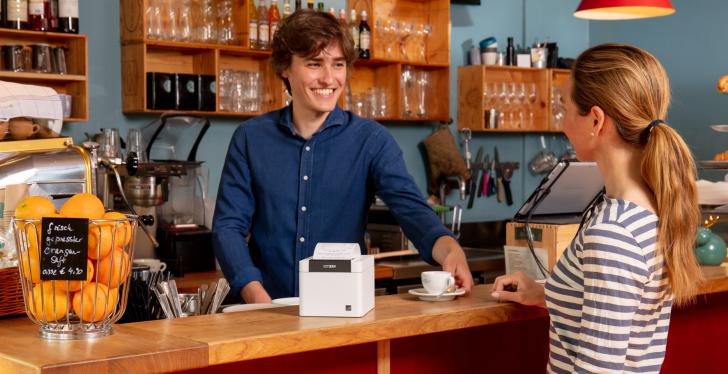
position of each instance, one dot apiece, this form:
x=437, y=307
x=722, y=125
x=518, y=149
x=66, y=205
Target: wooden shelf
x=474, y=80
x=19, y=75
x=190, y=46
x=75, y=83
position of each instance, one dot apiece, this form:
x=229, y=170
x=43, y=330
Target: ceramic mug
x=4, y=125
x=154, y=264
x=22, y=128
x=437, y=282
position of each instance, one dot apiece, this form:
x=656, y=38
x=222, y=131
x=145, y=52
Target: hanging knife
x=477, y=168
x=498, y=176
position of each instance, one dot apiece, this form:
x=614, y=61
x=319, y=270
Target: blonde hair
x=632, y=88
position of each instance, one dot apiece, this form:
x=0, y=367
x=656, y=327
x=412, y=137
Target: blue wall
x=523, y=19
x=691, y=45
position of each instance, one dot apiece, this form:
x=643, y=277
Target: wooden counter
x=195, y=342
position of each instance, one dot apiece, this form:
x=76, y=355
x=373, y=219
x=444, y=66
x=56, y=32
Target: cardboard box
x=551, y=238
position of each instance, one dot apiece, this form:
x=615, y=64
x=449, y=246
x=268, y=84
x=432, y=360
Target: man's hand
x=254, y=293
x=520, y=288
x=448, y=253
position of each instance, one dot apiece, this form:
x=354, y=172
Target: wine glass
x=426, y=30
x=532, y=96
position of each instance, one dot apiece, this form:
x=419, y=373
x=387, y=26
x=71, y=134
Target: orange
x=83, y=205
x=113, y=269
x=47, y=304
x=30, y=263
x=99, y=247
x=98, y=302
x=34, y=207
x=74, y=286
x=34, y=234
x=123, y=230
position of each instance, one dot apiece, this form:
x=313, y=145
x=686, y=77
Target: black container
x=186, y=250
x=553, y=55
x=187, y=92
x=161, y=91
x=207, y=89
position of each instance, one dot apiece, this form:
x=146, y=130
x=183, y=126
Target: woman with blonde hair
x=610, y=294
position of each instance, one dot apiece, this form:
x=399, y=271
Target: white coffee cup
x=437, y=282
x=154, y=264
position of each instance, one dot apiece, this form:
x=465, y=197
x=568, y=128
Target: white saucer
x=244, y=307
x=426, y=296
x=287, y=301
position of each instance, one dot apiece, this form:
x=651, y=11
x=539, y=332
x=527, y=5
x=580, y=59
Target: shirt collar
x=336, y=117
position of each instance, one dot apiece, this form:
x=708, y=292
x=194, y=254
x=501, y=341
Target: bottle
x=263, y=26
x=54, y=16
x=298, y=5
x=253, y=26
x=17, y=14
x=320, y=7
x=364, y=36
x=332, y=11
x=309, y=4
x=68, y=16
x=342, y=17
x=274, y=18
x=39, y=13
x=354, y=27
x=287, y=8
x=510, y=53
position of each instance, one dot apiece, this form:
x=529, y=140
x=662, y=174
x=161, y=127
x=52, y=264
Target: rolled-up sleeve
x=395, y=186
x=233, y=216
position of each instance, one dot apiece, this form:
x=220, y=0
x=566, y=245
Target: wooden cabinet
x=141, y=55
x=74, y=83
x=386, y=71
x=526, y=99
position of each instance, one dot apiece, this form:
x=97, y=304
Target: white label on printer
x=520, y=259
x=336, y=251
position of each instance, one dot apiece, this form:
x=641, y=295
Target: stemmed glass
x=425, y=31
x=522, y=100
x=392, y=28
x=503, y=104
x=532, y=96
x=422, y=83
x=405, y=33
x=512, y=98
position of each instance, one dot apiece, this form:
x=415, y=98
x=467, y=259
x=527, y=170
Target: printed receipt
x=336, y=251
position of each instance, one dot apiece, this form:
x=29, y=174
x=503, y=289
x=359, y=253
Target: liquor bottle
x=39, y=13
x=253, y=26
x=364, y=36
x=54, y=16
x=320, y=7
x=287, y=8
x=263, y=26
x=309, y=4
x=354, y=27
x=68, y=16
x=298, y=6
x=342, y=17
x=274, y=18
x=510, y=53
x=16, y=16
x=332, y=11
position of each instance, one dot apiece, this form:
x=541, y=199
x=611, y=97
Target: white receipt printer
x=337, y=281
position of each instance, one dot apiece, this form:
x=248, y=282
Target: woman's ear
x=598, y=117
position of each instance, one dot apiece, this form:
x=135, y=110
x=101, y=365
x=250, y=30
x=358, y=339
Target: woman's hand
x=518, y=287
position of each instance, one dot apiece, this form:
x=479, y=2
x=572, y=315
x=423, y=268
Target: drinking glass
x=169, y=28
x=59, y=60
x=405, y=32
x=110, y=148
x=42, y=58
x=503, y=104
x=532, y=96
x=207, y=28
x=408, y=82
x=226, y=23
x=184, y=20
x=154, y=19
x=423, y=81
x=391, y=34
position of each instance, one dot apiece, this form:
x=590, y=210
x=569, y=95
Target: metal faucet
x=443, y=184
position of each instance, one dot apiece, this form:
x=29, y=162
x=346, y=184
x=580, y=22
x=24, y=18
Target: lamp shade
x=623, y=9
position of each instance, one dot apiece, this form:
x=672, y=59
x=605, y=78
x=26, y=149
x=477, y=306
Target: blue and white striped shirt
x=607, y=296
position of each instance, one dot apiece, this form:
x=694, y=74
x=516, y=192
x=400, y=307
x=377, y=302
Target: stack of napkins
x=336, y=251
x=38, y=102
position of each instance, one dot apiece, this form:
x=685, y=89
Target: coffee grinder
x=185, y=243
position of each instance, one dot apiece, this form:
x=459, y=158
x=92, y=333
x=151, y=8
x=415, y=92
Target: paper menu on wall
x=521, y=259
x=336, y=251
x=24, y=100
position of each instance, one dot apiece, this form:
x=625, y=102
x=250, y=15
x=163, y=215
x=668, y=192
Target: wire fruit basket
x=77, y=309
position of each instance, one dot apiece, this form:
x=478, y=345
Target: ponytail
x=669, y=170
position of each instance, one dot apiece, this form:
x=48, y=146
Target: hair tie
x=648, y=130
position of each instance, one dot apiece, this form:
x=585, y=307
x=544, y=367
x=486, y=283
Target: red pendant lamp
x=623, y=9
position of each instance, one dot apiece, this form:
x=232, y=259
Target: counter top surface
x=168, y=345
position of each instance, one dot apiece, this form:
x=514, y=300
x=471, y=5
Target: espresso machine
x=166, y=182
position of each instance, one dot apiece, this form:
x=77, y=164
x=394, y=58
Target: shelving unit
x=472, y=81
x=141, y=55
x=75, y=83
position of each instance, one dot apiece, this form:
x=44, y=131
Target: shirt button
x=301, y=239
x=308, y=148
x=305, y=177
x=303, y=208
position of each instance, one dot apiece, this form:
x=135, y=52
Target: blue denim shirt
x=289, y=193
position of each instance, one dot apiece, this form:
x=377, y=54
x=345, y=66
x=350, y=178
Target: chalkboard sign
x=64, y=248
